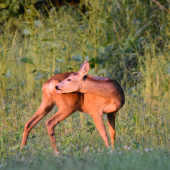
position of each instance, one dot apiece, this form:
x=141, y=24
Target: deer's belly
x=92, y=103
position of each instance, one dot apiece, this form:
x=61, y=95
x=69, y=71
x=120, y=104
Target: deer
x=78, y=91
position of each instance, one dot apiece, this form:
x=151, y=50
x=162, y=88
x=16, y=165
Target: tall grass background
x=125, y=40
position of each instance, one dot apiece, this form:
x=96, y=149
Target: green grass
x=97, y=160
x=128, y=41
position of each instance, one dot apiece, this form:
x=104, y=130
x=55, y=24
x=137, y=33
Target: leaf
x=32, y=135
x=137, y=145
x=135, y=118
x=8, y=74
x=69, y=66
x=90, y=127
x=46, y=39
x=14, y=147
x=26, y=60
x=106, y=43
x=16, y=8
x=139, y=31
x=39, y=76
x=84, y=53
x=59, y=60
x=25, y=112
x=109, y=48
x=140, y=39
x=103, y=71
x=4, y=14
x=77, y=57
x=87, y=58
x=56, y=71
x=4, y=5
x=89, y=123
x=101, y=49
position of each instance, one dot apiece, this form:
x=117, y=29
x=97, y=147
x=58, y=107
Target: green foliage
x=9, y=8
x=125, y=40
x=96, y=160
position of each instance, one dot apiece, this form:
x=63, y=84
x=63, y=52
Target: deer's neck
x=102, y=88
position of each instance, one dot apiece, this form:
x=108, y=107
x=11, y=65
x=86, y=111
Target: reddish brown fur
x=68, y=103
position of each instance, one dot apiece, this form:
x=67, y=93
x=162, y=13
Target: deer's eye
x=69, y=80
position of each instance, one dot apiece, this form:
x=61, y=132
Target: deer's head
x=74, y=81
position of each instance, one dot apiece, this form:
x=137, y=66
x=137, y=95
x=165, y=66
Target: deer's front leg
x=53, y=121
x=46, y=106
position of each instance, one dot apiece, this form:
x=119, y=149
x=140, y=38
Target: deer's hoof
x=56, y=153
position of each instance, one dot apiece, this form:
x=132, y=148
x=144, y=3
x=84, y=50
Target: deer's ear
x=84, y=68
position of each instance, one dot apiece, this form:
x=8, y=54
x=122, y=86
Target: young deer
x=78, y=91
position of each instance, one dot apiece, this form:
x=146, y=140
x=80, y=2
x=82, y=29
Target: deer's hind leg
x=111, y=124
x=45, y=107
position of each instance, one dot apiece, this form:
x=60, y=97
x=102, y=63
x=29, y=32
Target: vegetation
x=94, y=160
x=125, y=40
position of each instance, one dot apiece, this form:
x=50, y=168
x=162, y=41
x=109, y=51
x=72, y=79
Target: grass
x=97, y=160
x=128, y=41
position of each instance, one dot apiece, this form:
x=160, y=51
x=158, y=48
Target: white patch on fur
x=50, y=87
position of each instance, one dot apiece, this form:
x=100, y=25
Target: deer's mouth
x=58, y=89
